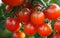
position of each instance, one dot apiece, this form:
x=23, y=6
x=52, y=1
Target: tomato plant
x=30, y=19
x=12, y=24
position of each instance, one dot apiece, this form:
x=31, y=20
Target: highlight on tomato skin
x=18, y=34
x=57, y=35
x=44, y=30
x=26, y=4
x=8, y=8
x=36, y=7
x=37, y=18
x=24, y=15
x=57, y=26
x=12, y=24
x=29, y=29
x=52, y=12
x=13, y=2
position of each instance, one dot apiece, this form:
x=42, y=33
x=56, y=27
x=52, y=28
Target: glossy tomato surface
x=52, y=12
x=36, y=7
x=12, y=24
x=29, y=29
x=26, y=4
x=57, y=26
x=57, y=35
x=37, y=18
x=8, y=8
x=13, y=2
x=44, y=30
x=18, y=34
x=24, y=15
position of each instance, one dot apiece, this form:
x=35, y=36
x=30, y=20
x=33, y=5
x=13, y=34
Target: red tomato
x=29, y=29
x=12, y=24
x=44, y=30
x=57, y=26
x=18, y=34
x=36, y=7
x=37, y=18
x=56, y=35
x=13, y=2
x=26, y=4
x=24, y=15
x=8, y=8
x=52, y=12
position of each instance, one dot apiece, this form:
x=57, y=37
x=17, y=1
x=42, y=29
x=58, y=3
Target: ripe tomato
x=57, y=26
x=37, y=18
x=44, y=30
x=18, y=34
x=36, y=7
x=29, y=29
x=13, y=2
x=12, y=24
x=52, y=12
x=8, y=8
x=56, y=35
x=26, y=4
x=24, y=15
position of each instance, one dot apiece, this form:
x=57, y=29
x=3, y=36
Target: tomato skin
x=29, y=29
x=44, y=30
x=57, y=35
x=26, y=4
x=53, y=12
x=24, y=15
x=18, y=34
x=13, y=2
x=8, y=8
x=12, y=24
x=36, y=7
x=37, y=18
x=57, y=26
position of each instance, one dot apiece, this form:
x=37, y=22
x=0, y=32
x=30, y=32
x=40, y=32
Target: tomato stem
x=43, y=3
x=49, y=22
x=48, y=1
x=52, y=24
x=45, y=37
x=30, y=36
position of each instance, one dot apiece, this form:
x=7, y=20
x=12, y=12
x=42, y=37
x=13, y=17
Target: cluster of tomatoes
x=33, y=19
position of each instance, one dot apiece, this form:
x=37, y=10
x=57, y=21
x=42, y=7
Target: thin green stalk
x=48, y=1
x=45, y=37
x=43, y=3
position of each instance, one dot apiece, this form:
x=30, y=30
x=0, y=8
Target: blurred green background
x=4, y=33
